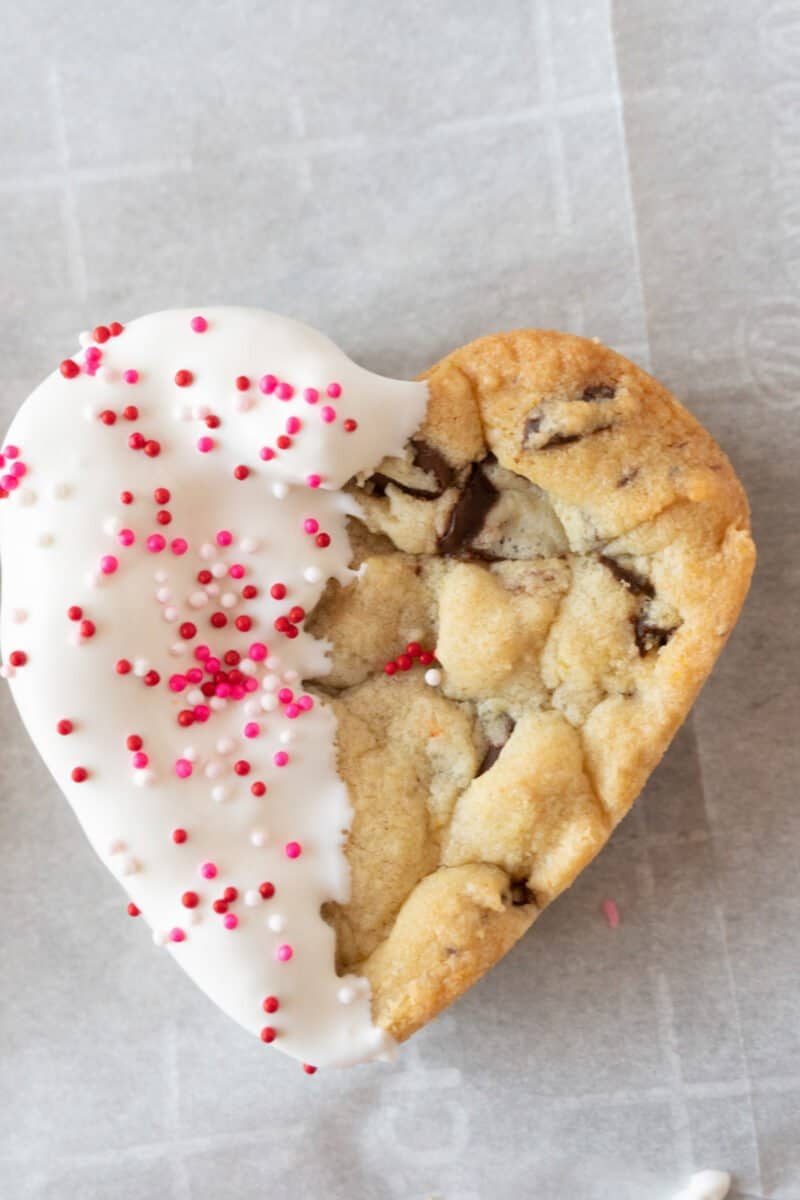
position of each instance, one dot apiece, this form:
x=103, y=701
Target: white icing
x=706, y=1185
x=53, y=557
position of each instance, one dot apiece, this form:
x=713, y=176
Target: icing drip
x=169, y=512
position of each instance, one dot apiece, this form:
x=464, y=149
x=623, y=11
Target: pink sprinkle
x=237, y=571
x=126, y=537
x=177, y=935
x=179, y=546
x=286, y=695
x=230, y=920
x=292, y=711
x=183, y=768
x=131, y=376
x=311, y=395
x=284, y=953
x=237, y=692
x=93, y=354
x=284, y=391
x=178, y=683
x=327, y=413
x=310, y=525
x=11, y=451
x=19, y=469
x=208, y=870
x=280, y=758
x=199, y=324
x=224, y=690
x=9, y=482
x=252, y=729
x=156, y=543
x=313, y=481
x=205, y=444
x=266, y=453
x=293, y=849
x=201, y=653
x=267, y=384
x=108, y=564
x=611, y=913
x=257, y=652
x=293, y=425
x=224, y=537
x=334, y=390
x=139, y=760
x=194, y=675
x=250, y=684
x=201, y=713
x=306, y=703
x=212, y=664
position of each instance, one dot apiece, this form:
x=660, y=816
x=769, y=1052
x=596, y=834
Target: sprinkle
x=79, y=774
x=284, y=953
x=219, y=793
x=279, y=490
x=183, y=378
x=199, y=324
x=133, y=911
x=241, y=472
x=258, y=838
x=130, y=376
x=293, y=850
x=108, y=564
x=270, y=1004
x=152, y=449
x=208, y=870
x=179, y=836
x=69, y=368
x=268, y=1034
x=177, y=935
x=230, y=921
x=205, y=444
x=64, y=727
x=267, y=890
x=334, y=390
x=350, y=426
x=327, y=414
x=284, y=391
x=311, y=395
x=346, y=995
x=183, y=768
x=313, y=481
x=179, y=546
x=159, y=937
x=224, y=537
x=267, y=384
x=312, y=574
x=611, y=913
x=266, y=453
x=280, y=758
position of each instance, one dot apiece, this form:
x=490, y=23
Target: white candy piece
x=706, y=1185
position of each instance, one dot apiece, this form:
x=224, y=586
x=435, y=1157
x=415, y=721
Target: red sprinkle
x=79, y=774
x=108, y=417
x=184, y=378
x=163, y=516
x=268, y=1034
x=270, y=1004
x=349, y=425
x=133, y=911
x=258, y=788
x=101, y=334
x=230, y=894
x=322, y=540
x=391, y=668
x=277, y=591
x=162, y=495
x=309, y=1070
x=242, y=767
x=188, y=630
x=242, y=383
x=69, y=368
x=249, y=592
x=64, y=727
x=297, y=614
x=75, y=613
x=241, y=472
x=220, y=906
x=134, y=742
x=267, y=890
x=131, y=413
x=17, y=658
x=243, y=623
x=179, y=836
x=123, y=667
x=190, y=899
x=87, y=629
x=212, y=422
x=136, y=441
x=115, y=329
x=126, y=497
x=152, y=449
x=152, y=678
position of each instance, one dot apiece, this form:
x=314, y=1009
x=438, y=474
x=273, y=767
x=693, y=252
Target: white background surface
x=407, y=176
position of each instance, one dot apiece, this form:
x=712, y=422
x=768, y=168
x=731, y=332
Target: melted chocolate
x=376, y=486
x=566, y=439
x=469, y=513
x=649, y=637
x=429, y=460
x=599, y=391
x=635, y=583
x=521, y=894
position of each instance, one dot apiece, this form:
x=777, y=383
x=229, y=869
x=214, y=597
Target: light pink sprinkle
x=183, y=768
x=306, y=702
x=224, y=537
x=280, y=758
x=208, y=870
x=108, y=564
x=237, y=571
x=266, y=453
x=611, y=913
x=267, y=384
x=11, y=451
x=311, y=395
x=205, y=444
x=284, y=953
x=199, y=324
x=156, y=543
x=126, y=537
x=313, y=481
x=334, y=390
x=179, y=546
x=131, y=376
x=293, y=850
x=257, y=652
x=177, y=935
x=284, y=391
x=139, y=760
x=293, y=425
x=310, y=525
x=230, y=920
x=327, y=413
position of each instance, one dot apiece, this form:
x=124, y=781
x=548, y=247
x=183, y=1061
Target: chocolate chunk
x=429, y=460
x=649, y=637
x=635, y=583
x=469, y=513
x=521, y=894
x=566, y=439
x=599, y=391
x=628, y=477
x=376, y=486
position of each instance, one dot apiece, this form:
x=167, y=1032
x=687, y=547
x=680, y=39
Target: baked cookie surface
x=576, y=547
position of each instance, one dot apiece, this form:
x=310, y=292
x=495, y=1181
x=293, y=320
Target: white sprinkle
x=346, y=995
x=218, y=570
x=252, y=708
x=219, y=793
x=84, y=339
x=245, y=403
x=433, y=677
x=212, y=589
x=276, y=923
x=171, y=613
x=270, y=683
x=279, y=490
x=140, y=666
x=195, y=696
x=112, y=526
x=159, y=937
x=218, y=704
x=198, y=599
x=248, y=667
x=228, y=600
x=143, y=778
x=258, y=837
x=207, y=551
x=312, y=574
x=127, y=864
x=92, y=578
x=707, y=1185
x=45, y=539
x=7, y=672
x=252, y=898
x=290, y=676
x=160, y=576
x=269, y=702
x=91, y=412
x=116, y=847
x=248, y=545
x=201, y=411
x=27, y=497
x=213, y=769
x=286, y=738
x=273, y=662
x=103, y=374
x=225, y=745
x=190, y=754
x=178, y=648
x=19, y=616
x=183, y=412
x=60, y=490
x=163, y=595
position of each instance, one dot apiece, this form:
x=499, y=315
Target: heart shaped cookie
x=345, y=677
